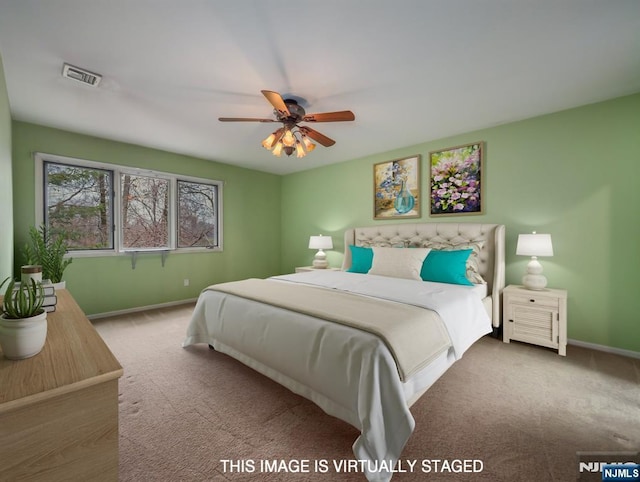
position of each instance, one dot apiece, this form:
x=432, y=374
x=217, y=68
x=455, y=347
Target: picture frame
x=396, y=188
x=456, y=180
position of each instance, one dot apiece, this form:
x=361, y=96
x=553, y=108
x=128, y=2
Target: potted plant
x=23, y=320
x=48, y=251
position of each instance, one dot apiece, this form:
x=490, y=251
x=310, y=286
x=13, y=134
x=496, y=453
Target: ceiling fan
x=291, y=136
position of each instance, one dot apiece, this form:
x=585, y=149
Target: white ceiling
x=411, y=70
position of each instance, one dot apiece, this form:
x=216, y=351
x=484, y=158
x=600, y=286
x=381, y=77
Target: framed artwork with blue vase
x=396, y=188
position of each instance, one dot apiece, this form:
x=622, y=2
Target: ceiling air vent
x=81, y=75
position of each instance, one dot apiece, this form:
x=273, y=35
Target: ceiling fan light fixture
x=288, y=139
x=269, y=141
x=309, y=146
x=277, y=151
x=288, y=150
x=299, y=149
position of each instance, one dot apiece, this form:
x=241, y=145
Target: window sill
x=107, y=253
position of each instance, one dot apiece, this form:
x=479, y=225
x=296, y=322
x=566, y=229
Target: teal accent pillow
x=446, y=267
x=361, y=259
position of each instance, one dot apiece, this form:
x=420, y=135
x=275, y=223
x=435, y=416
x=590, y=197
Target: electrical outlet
x=186, y=282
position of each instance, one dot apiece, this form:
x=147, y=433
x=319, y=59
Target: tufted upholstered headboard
x=490, y=238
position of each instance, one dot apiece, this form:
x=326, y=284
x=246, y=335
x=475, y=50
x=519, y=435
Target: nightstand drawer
x=533, y=300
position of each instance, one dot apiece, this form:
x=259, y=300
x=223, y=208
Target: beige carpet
x=521, y=409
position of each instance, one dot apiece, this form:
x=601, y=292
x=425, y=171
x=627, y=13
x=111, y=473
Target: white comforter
x=349, y=373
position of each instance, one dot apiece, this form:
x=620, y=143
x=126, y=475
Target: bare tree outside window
x=78, y=202
x=197, y=214
x=145, y=215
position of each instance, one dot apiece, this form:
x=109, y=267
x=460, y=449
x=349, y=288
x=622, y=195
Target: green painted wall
x=6, y=189
x=573, y=174
x=251, y=205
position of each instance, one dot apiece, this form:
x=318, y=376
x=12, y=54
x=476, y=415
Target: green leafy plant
x=48, y=252
x=24, y=301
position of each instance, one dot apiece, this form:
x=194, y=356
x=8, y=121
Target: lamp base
x=534, y=279
x=535, y=282
x=320, y=260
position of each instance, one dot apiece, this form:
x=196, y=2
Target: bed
x=364, y=343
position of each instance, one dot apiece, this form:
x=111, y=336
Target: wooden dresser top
x=74, y=356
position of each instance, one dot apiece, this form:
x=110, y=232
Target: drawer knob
x=532, y=300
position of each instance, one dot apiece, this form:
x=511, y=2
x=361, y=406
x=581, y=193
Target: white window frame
x=118, y=170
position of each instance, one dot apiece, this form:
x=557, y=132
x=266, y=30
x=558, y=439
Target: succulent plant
x=24, y=301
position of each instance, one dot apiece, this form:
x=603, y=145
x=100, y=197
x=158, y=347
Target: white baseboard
x=141, y=308
x=608, y=349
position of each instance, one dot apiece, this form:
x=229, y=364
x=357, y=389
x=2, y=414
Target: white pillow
x=398, y=262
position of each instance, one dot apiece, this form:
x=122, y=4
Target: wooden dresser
x=59, y=409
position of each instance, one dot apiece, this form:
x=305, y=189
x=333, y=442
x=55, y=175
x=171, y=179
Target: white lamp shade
x=534, y=245
x=320, y=242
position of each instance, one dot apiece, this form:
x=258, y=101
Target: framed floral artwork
x=456, y=180
x=396, y=188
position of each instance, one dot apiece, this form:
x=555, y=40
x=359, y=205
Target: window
x=197, y=218
x=145, y=212
x=107, y=209
x=78, y=202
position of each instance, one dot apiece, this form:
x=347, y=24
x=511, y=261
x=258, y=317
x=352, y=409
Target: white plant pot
x=31, y=272
x=56, y=286
x=60, y=285
x=23, y=338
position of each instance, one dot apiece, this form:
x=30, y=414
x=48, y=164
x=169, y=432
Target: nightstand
x=538, y=317
x=302, y=269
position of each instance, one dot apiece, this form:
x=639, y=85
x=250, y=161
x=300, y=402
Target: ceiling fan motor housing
x=295, y=110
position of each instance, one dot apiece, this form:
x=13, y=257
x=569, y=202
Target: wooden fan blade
x=343, y=115
x=277, y=102
x=244, y=119
x=316, y=136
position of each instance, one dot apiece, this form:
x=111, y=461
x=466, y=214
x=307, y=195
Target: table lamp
x=320, y=243
x=534, y=245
